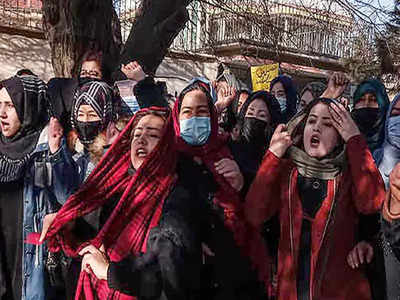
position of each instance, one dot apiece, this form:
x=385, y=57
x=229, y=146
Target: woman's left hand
x=336, y=85
x=361, y=253
x=96, y=260
x=343, y=122
x=230, y=170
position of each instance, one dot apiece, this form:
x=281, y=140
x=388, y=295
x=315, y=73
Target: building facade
x=308, y=42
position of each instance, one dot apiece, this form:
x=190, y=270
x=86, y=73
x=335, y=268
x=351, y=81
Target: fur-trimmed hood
x=99, y=145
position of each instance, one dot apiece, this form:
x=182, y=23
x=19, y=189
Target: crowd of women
x=225, y=193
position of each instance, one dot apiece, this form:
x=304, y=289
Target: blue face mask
x=394, y=131
x=195, y=131
x=282, y=103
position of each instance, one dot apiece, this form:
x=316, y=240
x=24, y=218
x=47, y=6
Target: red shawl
x=248, y=239
x=137, y=212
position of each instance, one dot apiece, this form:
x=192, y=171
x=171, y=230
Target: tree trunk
x=155, y=28
x=75, y=26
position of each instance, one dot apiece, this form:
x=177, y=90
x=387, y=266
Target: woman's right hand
x=56, y=132
x=280, y=141
x=133, y=71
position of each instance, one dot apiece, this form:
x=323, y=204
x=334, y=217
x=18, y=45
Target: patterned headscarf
x=99, y=95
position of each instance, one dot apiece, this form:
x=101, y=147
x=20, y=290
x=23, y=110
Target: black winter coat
x=228, y=274
x=170, y=269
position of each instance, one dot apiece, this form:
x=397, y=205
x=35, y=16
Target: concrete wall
x=178, y=72
x=20, y=52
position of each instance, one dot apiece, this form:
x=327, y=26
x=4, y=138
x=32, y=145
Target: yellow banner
x=262, y=76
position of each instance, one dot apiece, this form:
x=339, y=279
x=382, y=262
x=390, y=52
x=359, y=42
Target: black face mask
x=256, y=132
x=366, y=118
x=87, y=131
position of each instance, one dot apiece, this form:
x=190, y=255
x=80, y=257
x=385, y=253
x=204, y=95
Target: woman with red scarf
x=148, y=220
x=319, y=176
x=205, y=158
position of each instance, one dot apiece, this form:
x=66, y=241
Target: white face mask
x=282, y=103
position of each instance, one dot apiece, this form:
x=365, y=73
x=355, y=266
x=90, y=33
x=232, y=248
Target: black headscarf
x=291, y=95
x=255, y=134
x=270, y=101
x=61, y=97
x=28, y=94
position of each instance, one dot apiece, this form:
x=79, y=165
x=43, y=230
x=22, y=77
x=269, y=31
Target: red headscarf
x=136, y=213
x=226, y=197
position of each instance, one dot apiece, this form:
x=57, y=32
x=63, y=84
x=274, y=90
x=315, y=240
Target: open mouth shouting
x=141, y=153
x=4, y=126
x=315, y=141
x=320, y=137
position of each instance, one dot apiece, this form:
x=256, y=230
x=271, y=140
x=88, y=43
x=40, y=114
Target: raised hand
x=336, y=85
x=133, y=71
x=225, y=98
x=343, y=122
x=280, y=141
x=55, y=135
x=392, y=206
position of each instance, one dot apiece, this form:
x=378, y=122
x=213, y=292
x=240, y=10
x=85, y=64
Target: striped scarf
x=12, y=169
